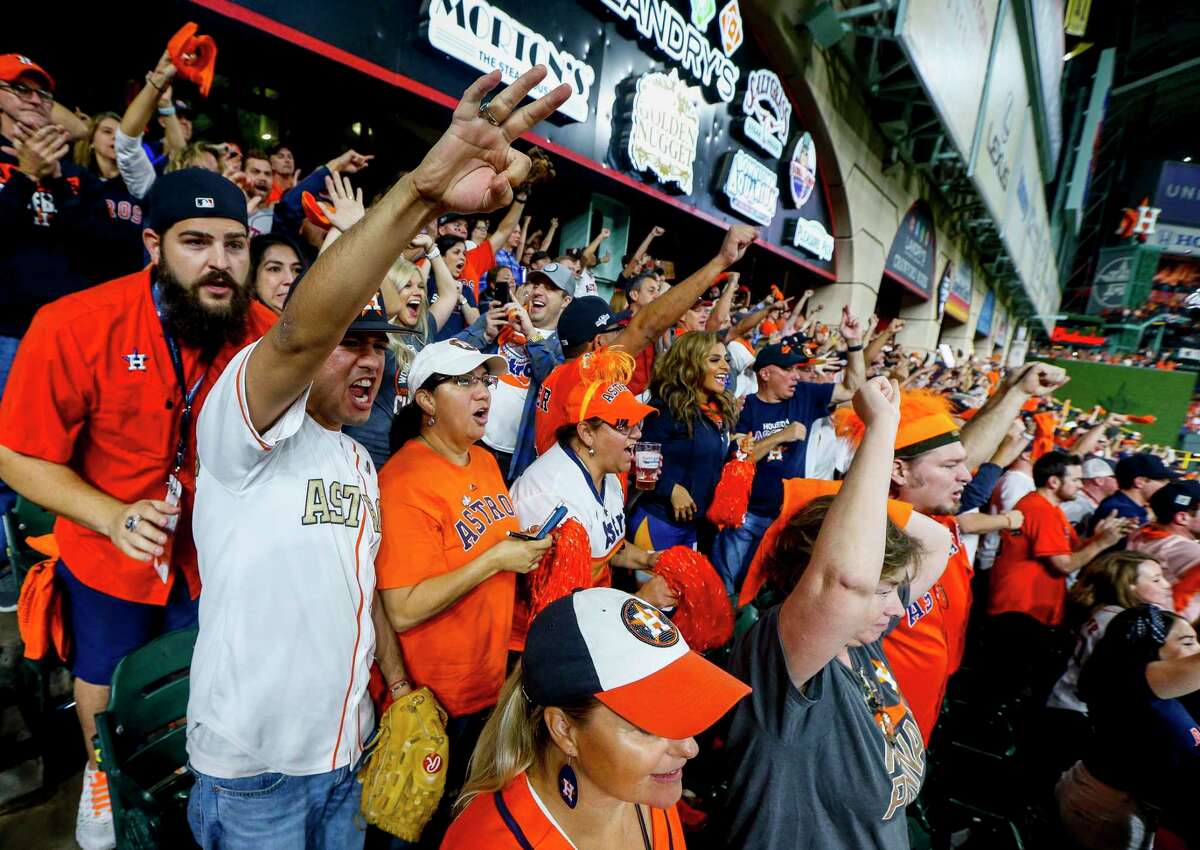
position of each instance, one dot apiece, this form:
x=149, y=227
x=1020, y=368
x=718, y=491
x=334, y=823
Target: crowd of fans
x=1146, y=358
x=328, y=433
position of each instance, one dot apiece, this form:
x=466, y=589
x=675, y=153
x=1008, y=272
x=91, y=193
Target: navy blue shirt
x=1123, y=505
x=692, y=460
x=762, y=419
x=455, y=324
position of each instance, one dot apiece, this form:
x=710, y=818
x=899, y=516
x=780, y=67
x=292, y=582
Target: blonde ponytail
x=513, y=739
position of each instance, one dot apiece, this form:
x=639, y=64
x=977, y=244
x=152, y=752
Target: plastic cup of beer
x=647, y=464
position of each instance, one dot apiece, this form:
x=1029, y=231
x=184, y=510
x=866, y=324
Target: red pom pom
x=704, y=615
x=567, y=565
x=732, y=496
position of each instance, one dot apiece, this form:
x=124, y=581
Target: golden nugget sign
x=485, y=37
x=660, y=22
x=665, y=127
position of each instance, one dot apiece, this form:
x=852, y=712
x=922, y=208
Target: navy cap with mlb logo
x=193, y=193
x=1172, y=498
x=607, y=644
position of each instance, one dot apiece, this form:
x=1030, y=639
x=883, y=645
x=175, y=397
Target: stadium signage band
x=677, y=38
x=487, y=38
x=751, y=188
x=768, y=112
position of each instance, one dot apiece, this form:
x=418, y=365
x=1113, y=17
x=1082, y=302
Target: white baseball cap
x=1097, y=467
x=450, y=357
x=604, y=643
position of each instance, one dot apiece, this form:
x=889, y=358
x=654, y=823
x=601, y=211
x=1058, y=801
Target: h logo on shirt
x=136, y=360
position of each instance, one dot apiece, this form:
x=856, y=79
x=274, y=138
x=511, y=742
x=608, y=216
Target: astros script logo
x=648, y=624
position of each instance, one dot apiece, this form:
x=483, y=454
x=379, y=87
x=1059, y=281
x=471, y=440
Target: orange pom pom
x=606, y=366
x=567, y=565
x=704, y=615
x=732, y=496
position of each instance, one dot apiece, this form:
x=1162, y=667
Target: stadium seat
x=26, y=519
x=141, y=739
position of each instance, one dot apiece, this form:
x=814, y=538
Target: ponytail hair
x=513, y=739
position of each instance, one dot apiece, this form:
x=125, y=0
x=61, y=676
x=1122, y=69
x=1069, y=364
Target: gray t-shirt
x=813, y=769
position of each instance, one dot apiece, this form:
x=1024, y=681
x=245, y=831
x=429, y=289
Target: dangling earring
x=432, y=421
x=568, y=784
x=591, y=452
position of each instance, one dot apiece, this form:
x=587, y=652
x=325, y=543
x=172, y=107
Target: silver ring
x=486, y=111
x=131, y=522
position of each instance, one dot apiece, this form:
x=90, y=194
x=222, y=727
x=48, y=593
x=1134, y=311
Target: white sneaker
x=94, y=823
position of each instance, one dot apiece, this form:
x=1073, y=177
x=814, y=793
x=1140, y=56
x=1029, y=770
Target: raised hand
x=345, y=207
x=1042, y=379
x=737, y=240
x=350, y=162
x=657, y=231
x=878, y=401
x=473, y=166
x=850, y=328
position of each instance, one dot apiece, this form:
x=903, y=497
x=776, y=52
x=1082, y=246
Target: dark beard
x=197, y=325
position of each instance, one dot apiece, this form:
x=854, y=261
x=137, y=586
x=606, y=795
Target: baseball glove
x=404, y=775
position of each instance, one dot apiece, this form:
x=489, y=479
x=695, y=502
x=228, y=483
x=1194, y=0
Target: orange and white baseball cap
x=13, y=66
x=604, y=643
x=595, y=388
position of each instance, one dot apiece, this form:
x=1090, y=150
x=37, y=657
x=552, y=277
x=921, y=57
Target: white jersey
x=287, y=527
x=508, y=396
x=559, y=478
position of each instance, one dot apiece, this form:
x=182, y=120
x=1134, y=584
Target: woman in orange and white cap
x=587, y=468
x=587, y=745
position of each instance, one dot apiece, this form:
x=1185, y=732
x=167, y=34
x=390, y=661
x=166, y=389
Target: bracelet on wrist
x=397, y=685
x=433, y=253
x=150, y=79
x=523, y=198
x=166, y=111
x=858, y=346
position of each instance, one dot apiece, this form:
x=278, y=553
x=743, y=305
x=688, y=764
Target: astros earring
x=568, y=784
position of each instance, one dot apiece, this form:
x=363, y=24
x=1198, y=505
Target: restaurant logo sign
x=664, y=129
x=751, y=187
x=679, y=39
x=809, y=235
x=802, y=170
x=731, y=28
x=703, y=11
x=914, y=251
x=768, y=112
x=487, y=38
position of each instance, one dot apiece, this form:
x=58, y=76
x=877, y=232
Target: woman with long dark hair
x=1144, y=758
x=696, y=414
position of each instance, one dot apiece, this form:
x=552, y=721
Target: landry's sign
x=751, y=188
x=663, y=129
x=485, y=37
x=676, y=37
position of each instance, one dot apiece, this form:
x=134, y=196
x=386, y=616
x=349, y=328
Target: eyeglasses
x=26, y=93
x=623, y=427
x=468, y=382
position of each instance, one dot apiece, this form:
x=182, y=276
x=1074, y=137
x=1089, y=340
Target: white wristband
x=433, y=253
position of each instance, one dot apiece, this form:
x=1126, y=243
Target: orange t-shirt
x=544, y=421
x=93, y=387
x=513, y=820
x=479, y=261
x=1020, y=581
x=438, y=517
x=926, y=648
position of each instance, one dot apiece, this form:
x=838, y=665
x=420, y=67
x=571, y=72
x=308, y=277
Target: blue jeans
x=735, y=547
x=272, y=811
x=8, y=351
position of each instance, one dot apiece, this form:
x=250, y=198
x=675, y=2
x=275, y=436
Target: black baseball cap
x=782, y=354
x=193, y=193
x=371, y=319
x=584, y=319
x=1145, y=465
x=452, y=216
x=1174, y=497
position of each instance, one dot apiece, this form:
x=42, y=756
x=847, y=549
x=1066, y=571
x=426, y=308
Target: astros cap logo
x=648, y=624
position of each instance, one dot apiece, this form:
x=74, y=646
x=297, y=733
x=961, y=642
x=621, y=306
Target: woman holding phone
x=446, y=569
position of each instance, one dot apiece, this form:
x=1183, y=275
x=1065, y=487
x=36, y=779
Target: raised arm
x=720, y=312
x=635, y=262
x=549, y=237
x=143, y=106
x=1089, y=440
x=856, y=367
x=876, y=345
x=471, y=168
x=1109, y=532
x=834, y=593
x=651, y=322
x=588, y=254
x=987, y=428
x=499, y=237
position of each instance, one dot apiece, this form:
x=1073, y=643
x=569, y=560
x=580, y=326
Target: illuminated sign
x=768, y=112
x=660, y=22
x=1064, y=335
x=1138, y=221
x=484, y=37
x=751, y=187
x=809, y=235
x=802, y=170
x=731, y=28
x=703, y=11
x=664, y=129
